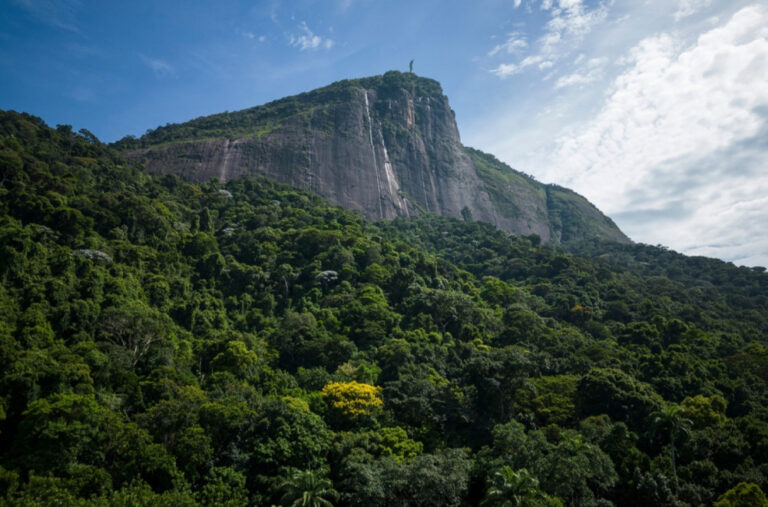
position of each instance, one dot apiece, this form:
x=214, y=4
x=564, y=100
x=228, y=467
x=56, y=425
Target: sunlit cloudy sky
x=655, y=110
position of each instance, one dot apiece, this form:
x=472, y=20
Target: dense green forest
x=164, y=343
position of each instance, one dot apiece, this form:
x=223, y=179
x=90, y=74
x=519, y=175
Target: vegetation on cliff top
x=570, y=216
x=167, y=343
x=249, y=122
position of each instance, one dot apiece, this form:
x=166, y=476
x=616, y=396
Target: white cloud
x=678, y=153
x=531, y=60
x=686, y=8
x=578, y=79
x=158, y=66
x=597, y=62
x=506, y=69
x=570, y=21
x=309, y=40
x=253, y=36
x=511, y=69
x=515, y=42
x=517, y=3
x=590, y=72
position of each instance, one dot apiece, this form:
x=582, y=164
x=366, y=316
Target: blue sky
x=655, y=110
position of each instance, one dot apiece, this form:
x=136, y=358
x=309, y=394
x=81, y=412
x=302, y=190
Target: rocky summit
x=386, y=146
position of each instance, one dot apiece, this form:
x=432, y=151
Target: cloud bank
x=678, y=152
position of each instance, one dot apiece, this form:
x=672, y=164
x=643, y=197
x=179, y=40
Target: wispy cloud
x=510, y=69
x=160, y=67
x=589, y=72
x=309, y=40
x=569, y=22
x=57, y=13
x=253, y=36
x=83, y=93
x=515, y=42
x=506, y=69
x=687, y=8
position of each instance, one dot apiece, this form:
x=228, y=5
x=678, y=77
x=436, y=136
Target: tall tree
x=512, y=488
x=671, y=419
x=306, y=488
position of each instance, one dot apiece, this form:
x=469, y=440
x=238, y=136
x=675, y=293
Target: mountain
x=387, y=146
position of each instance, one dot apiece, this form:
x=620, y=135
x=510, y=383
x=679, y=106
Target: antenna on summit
x=410, y=67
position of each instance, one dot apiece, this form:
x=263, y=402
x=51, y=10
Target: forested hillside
x=169, y=343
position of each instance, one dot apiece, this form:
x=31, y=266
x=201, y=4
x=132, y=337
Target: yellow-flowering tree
x=352, y=401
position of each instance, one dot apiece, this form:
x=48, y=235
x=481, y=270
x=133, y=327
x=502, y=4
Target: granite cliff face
x=387, y=146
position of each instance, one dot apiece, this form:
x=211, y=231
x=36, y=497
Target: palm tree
x=307, y=489
x=513, y=489
x=671, y=419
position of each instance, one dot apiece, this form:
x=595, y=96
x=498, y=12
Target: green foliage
x=554, y=400
x=394, y=442
x=223, y=486
x=743, y=494
x=307, y=489
x=164, y=343
x=671, y=420
x=437, y=479
x=565, y=465
x=516, y=489
x=619, y=395
x=705, y=411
